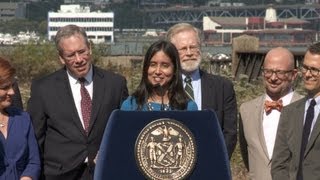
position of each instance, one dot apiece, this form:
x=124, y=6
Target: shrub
x=34, y=60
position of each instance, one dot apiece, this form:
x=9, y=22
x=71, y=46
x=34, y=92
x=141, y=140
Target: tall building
x=9, y=11
x=98, y=25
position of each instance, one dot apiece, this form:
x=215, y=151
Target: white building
x=98, y=25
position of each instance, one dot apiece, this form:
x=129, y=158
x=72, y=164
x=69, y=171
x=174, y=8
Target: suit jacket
x=61, y=137
x=251, y=137
x=218, y=95
x=286, y=154
x=19, y=154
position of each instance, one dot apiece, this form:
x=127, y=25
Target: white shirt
x=75, y=88
x=196, y=85
x=316, y=112
x=271, y=121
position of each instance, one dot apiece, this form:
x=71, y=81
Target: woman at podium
x=161, y=86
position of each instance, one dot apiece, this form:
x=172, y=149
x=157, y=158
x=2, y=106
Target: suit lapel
x=260, y=110
x=207, y=90
x=97, y=96
x=314, y=135
x=297, y=120
x=297, y=124
x=65, y=95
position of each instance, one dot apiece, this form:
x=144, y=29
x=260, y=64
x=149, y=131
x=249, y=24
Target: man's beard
x=191, y=65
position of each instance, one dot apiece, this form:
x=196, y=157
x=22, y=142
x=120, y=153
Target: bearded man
x=208, y=91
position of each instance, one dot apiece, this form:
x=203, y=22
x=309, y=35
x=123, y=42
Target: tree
x=16, y=25
x=34, y=60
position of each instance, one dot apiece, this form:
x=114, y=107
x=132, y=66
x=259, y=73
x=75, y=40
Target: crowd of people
x=59, y=134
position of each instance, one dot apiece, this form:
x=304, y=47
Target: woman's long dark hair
x=178, y=99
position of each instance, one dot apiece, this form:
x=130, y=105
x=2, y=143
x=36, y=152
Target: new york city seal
x=165, y=149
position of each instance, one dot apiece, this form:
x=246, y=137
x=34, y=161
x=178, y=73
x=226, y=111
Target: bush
x=33, y=60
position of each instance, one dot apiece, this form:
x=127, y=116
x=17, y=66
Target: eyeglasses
x=192, y=49
x=313, y=71
x=72, y=56
x=281, y=74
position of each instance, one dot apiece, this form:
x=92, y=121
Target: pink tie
x=85, y=104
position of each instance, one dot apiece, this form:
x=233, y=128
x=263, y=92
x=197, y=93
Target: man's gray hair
x=177, y=28
x=68, y=31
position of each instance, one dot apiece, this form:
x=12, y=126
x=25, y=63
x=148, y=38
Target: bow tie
x=269, y=105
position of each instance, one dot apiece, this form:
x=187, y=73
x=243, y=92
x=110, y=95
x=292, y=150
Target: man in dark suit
x=209, y=91
x=297, y=147
x=71, y=106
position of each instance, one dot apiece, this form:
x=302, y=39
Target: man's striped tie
x=188, y=88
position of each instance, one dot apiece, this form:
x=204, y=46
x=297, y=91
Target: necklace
x=151, y=108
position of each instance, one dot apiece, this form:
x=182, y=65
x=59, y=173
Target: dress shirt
x=196, y=85
x=75, y=88
x=271, y=121
x=316, y=112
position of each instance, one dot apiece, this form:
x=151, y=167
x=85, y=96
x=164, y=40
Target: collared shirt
x=196, y=85
x=271, y=121
x=316, y=112
x=75, y=88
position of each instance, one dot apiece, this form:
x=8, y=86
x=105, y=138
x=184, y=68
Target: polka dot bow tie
x=270, y=105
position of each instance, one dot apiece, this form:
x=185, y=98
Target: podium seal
x=165, y=149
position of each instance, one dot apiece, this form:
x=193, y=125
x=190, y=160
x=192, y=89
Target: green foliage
x=35, y=60
x=16, y=25
x=246, y=91
x=100, y=50
x=32, y=61
x=135, y=74
x=42, y=27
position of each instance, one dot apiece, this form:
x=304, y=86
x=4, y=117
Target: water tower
x=271, y=15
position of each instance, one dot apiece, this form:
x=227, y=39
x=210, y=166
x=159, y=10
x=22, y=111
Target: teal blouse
x=130, y=104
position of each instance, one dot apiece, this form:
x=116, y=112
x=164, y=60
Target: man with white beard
x=208, y=91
